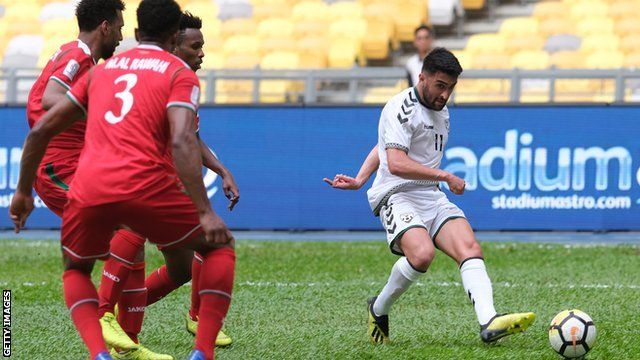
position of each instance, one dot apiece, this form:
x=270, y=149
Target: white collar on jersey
x=86, y=50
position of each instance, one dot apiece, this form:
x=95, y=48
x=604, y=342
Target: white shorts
x=428, y=209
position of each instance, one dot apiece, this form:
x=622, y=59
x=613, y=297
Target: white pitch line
x=438, y=284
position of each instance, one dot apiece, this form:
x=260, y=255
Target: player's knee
x=422, y=257
x=70, y=263
x=471, y=248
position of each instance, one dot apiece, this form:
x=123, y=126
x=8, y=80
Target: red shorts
x=165, y=216
x=52, y=185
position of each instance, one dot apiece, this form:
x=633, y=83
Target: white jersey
x=422, y=133
x=414, y=68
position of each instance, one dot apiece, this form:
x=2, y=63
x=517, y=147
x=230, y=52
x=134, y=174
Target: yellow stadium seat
x=309, y=10
x=271, y=10
x=312, y=52
x=567, y=60
x=624, y=9
x=605, y=60
x=348, y=29
x=213, y=60
x=518, y=43
x=22, y=12
x=16, y=28
x=630, y=44
x=211, y=29
x=279, y=43
x=276, y=91
x=343, y=53
x=377, y=12
x=346, y=10
x=491, y=61
x=594, y=26
x=375, y=45
x=556, y=26
x=411, y=14
x=53, y=28
x=381, y=94
x=305, y=28
x=473, y=4
x=627, y=26
x=237, y=26
x=486, y=43
x=632, y=60
x=530, y=60
x=482, y=91
x=587, y=9
x=550, y=9
x=280, y=27
x=241, y=61
x=204, y=9
x=234, y=91
x=520, y=26
x=464, y=58
x=241, y=44
x=604, y=42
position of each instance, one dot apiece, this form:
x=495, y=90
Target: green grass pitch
x=306, y=300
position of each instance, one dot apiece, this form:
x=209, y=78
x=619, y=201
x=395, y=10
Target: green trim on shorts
x=52, y=175
x=442, y=224
x=393, y=242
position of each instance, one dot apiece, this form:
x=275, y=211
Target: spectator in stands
x=423, y=41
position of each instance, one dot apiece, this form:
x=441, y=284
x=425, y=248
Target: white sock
x=477, y=284
x=401, y=278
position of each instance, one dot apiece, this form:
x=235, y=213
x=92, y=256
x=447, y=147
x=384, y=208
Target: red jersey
x=128, y=133
x=66, y=66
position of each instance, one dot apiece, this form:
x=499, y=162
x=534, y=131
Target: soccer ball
x=572, y=333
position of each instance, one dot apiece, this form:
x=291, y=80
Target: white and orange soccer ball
x=572, y=333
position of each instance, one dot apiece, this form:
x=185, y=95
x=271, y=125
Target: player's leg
x=455, y=237
x=215, y=283
x=85, y=238
x=126, y=254
x=162, y=282
x=407, y=237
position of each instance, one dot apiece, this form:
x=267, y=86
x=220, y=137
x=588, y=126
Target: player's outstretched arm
x=400, y=164
x=56, y=120
x=229, y=185
x=188, y=162
x=369, y=166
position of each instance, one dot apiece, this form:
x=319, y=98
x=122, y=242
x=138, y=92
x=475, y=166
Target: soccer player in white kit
x=416, y=215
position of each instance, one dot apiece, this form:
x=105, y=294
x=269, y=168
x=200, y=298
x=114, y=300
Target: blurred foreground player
x=417, y=216
x=141, y=104
x=123, y=281
x=100, y=23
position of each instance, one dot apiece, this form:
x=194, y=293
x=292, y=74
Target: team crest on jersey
x=72, y=69
x=406, y=217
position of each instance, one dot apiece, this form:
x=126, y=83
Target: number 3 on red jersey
x=126, y=97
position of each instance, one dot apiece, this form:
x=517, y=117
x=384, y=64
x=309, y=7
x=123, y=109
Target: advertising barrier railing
x=526, y=168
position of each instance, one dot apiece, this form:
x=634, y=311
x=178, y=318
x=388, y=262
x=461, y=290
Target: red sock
x=158, y=285
x=82, y=300
x=216, y=285
x=132, y=303
x=124, y=248
x=196, y=265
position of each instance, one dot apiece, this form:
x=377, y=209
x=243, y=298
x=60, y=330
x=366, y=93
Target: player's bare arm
x=188, y=161
x=56, y=120
x=369, y=166
x=53, y=93
x=229, y=186
x=400, y=164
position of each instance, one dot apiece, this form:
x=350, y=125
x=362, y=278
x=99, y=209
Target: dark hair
x=423, y=27
x=190, y=21
x=91, y=13
x=441, y=59
x=158, y=19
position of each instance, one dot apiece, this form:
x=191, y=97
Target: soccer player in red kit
x=124, y=282
x=141, y=104
x=100, y=23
